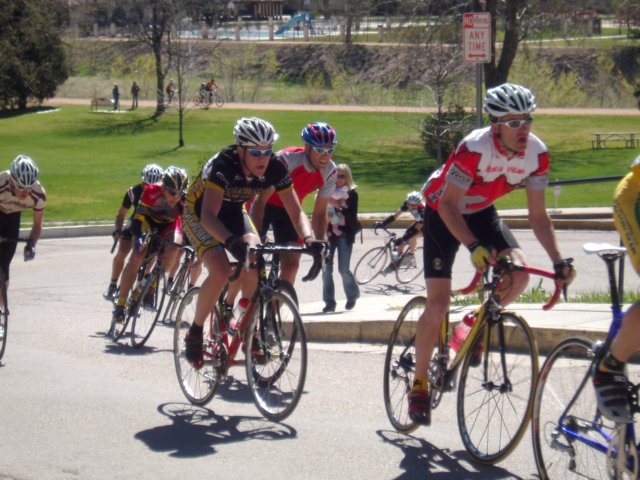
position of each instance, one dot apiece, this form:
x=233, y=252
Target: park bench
x=630, y=139
x=101, y=102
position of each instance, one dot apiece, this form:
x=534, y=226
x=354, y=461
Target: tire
x=198, y=385
x=565, y=399
x=219, y=101
x=410, y=267
x=370, y=265
x=143, y=317
x=4, y=316
x=284, y=286
x=493, y=412
x=174, y=294
x=399, y=366
x=276, y=357
x=117, y=330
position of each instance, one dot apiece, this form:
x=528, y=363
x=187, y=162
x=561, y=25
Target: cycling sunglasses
x=517, y=123
x=254, y=152
x=322, y=151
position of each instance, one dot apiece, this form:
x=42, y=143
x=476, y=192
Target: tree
x=33, y=59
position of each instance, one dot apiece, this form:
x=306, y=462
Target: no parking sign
x=477, y=37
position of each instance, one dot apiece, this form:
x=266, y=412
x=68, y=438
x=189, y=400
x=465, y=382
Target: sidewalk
x=374, y=316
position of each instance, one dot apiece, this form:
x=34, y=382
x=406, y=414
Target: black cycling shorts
x=283, y=229
x=440, y=246
x=9, y=228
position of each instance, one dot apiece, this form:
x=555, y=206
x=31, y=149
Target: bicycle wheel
x=219, y=100
x=370, y=265
x=198, y=385
x=495, y=398
x=399, y=366
x=410, y=267
x=283, y=286
x=276, y=357
x=566, y=417
x=117, y=330
x=145, y=313
x=4, y=316
x=174, y=294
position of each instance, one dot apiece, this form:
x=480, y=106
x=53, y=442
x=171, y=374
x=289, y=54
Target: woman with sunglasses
x=341, y=239
x=487, y=164
x=159, y=210
x=215, y=218
x=20, y=190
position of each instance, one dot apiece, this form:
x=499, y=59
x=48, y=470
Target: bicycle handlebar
x=505, y=265
x=319, y=257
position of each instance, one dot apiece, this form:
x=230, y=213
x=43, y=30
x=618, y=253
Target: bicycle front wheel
x=198, y=385
x=566, y=418
x=495, y=398
x=219, y=101
x=399, y=366
x=370, y=265
x=146, y=311
x=410, y=266
x=276, y=357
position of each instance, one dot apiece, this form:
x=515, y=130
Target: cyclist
x=212, y=87
x=19, y=190
x=151, y=174
x=312, y=170
x=215, y=218
x=171, y=90
x=159, y=210
x=610, y=381
x=487, y=164
x=414, y=204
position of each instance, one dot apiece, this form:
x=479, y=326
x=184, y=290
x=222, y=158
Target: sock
x=196, y=330
x=611, y=364
x=122, y=301
x=113, y=282
x=420, y=384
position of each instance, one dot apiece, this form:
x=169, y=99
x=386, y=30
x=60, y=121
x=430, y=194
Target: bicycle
x=146, y=298
x=206, y=99
x=571, y=438
x=374, y=262
x=495, y=396
x=271, y=330
x=4, y=308
x=179, y=287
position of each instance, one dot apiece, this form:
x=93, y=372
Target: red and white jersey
x=480, y=167
x=155, y=207
x=306, y=179
x=9, y=203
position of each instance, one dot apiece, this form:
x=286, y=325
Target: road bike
x=206, y=99
x=272, y=333
x=571, y=438
x=4, y=308
x=495, y=392
x=146, y=298
x=407, y=265
x=177, y=289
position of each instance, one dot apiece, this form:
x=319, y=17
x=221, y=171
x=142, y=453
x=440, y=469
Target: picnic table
x=630, y=139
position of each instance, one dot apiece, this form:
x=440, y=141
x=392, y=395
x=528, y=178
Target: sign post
x=476, y=39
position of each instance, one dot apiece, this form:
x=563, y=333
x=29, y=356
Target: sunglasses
x=172, y=192
x=254, y=152
x=322, y=151
x=517, y=123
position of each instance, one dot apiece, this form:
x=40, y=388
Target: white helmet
x=414, y=197
x=152, y=173
x=254, y=132
x=24, y=172
x=509, y=99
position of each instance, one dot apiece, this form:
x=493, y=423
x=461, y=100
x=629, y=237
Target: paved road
x=76, y=406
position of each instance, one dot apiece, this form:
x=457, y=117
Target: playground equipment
x=300, y=17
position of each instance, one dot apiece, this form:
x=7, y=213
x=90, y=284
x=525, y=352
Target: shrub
x=442, y=131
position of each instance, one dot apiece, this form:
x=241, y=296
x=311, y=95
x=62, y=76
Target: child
x=337, y=202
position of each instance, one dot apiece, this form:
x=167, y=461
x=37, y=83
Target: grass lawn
x=87, y=160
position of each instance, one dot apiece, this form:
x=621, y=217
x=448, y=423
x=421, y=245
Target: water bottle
x=394, y=254
x=238, y=312
x=462, y=330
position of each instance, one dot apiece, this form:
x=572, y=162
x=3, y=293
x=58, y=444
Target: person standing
x=116, y=97
x=342, y=240
x=135, y=91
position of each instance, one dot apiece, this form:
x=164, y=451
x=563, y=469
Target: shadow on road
x=195, y=431
x=424, y=460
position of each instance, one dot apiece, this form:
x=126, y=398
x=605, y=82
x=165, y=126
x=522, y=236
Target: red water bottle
x=238, y=312
x=462, y=330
